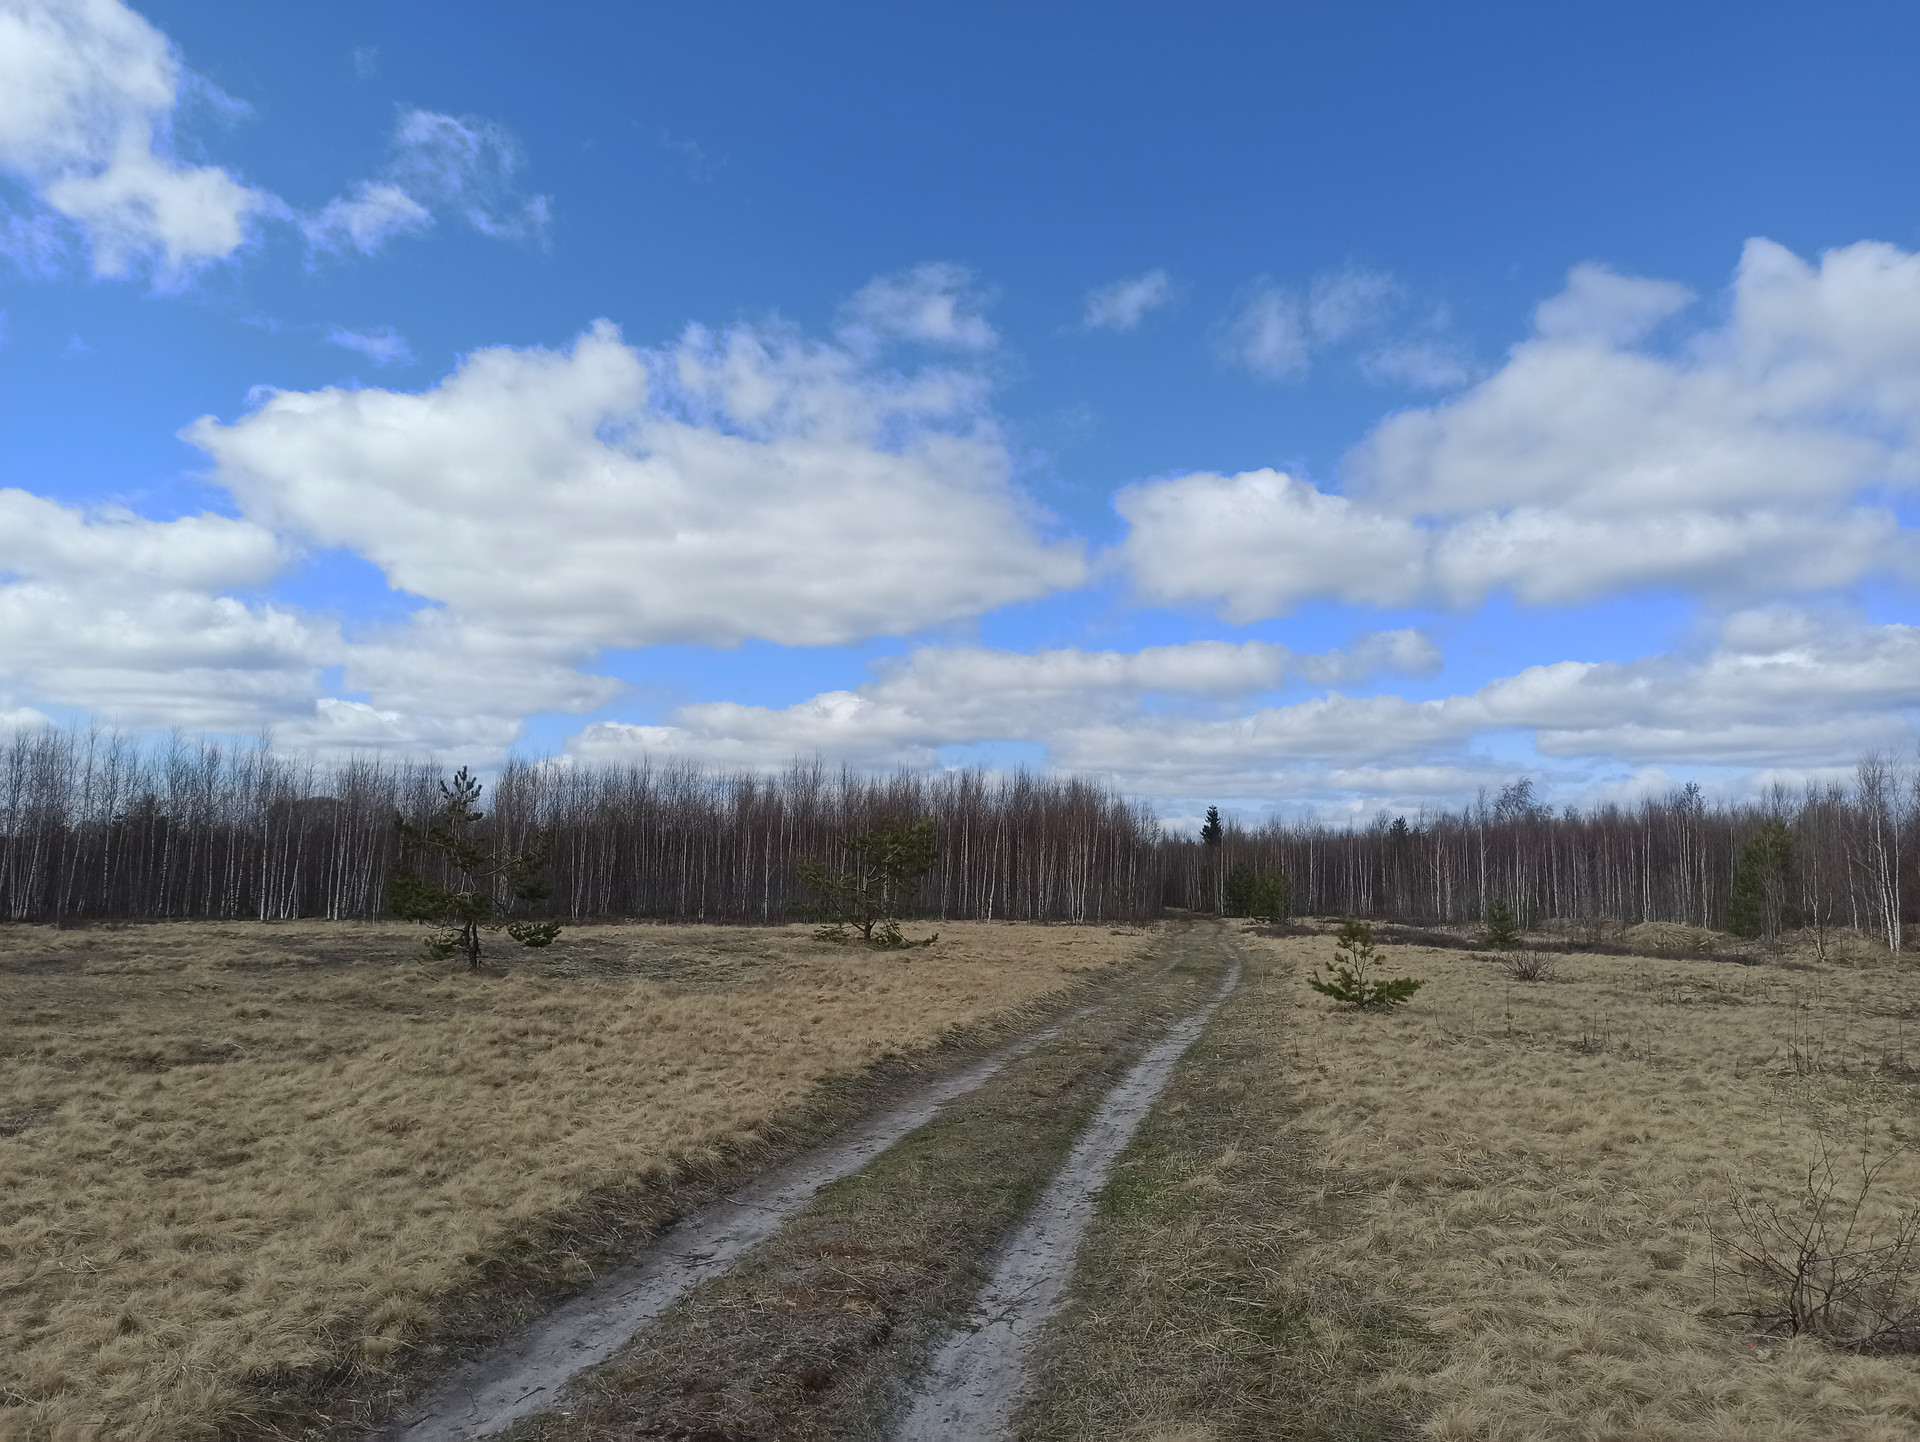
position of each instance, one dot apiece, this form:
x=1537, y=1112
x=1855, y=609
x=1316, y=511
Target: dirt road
x=978, y=1378
x=530, y=1375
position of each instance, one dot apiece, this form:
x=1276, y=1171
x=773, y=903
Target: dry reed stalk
x=236, y=1154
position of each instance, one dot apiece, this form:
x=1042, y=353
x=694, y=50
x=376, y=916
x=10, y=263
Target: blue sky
x=1327, y=409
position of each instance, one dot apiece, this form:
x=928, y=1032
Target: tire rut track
x=978, y=1378
x=527, y=1374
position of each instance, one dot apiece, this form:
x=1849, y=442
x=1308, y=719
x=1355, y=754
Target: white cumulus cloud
x=939, y=696
x=126, y=617
x=1261, y=542
x=88, y=91
x=736, y=485
x=1794, y=692
x=1752, y=457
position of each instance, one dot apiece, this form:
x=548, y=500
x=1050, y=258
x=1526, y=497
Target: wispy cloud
x=460, y=166
x=383, y=346
x=1350, y=302
x=1431, y=365
x=1268, y=334
x=375, y=214
x=1124, y=304
x=936, y=304
x=702, y=165
x=1277, y=332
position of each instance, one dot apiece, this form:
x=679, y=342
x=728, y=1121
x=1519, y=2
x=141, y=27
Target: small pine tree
x=479, y=870
x=1354, y=980
x=884, y=867
x=1212, y=831
x=1236, y=892
x=1502, y=927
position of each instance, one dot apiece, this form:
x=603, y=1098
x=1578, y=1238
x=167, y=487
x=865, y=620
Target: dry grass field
x=1491, y=1216
x=236, y=1156
x=1540, y=1171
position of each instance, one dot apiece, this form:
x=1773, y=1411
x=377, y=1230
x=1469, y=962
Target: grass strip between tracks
x=817, y=1333
x=1186, y=1322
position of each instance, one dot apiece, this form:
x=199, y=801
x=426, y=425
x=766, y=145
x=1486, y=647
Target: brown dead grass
x=233, y=1155
x=818, y=1332
x=1540, y=1168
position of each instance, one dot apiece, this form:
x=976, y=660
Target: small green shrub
x=1355, y=980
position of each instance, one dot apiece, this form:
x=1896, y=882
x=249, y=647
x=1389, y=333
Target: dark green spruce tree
x=1212, y=831
x=1757, y=903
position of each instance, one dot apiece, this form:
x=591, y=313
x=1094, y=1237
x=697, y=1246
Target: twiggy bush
x=1355, y=978
x=1832, y=1262
x=1529, y=965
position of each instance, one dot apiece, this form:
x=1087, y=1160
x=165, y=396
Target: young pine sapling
x=883, y=868
x=478, y=871
x=1502, y=927
x=1355, y=978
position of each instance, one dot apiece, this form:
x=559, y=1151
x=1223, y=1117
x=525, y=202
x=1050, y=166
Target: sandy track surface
x=525, y=1376
x=978, y=1378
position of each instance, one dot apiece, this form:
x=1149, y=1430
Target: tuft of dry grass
x=244, y=1165
x=1541, y=1170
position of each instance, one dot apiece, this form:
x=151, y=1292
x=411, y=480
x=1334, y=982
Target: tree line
x=1825, y=856
x=95, y=825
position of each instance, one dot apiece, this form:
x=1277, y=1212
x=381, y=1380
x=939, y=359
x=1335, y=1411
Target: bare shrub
x=1530, y=965
x=1834, y=1261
